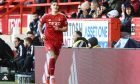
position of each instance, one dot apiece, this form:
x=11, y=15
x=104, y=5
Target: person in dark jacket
x=78, y=13
x=79, y=41
x=127, y=42
x=36, y=41
x=104, y=9
x=126, y=22
x=93, y=42
x=115, y=5
x=20, y=53
x=34, y=24
x=6, y=54
x=28, y=63
x=5, y=51
x=85, y=9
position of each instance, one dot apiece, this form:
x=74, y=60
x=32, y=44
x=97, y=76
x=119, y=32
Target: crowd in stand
x=125, y=10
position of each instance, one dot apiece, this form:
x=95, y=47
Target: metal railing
x=10, y=8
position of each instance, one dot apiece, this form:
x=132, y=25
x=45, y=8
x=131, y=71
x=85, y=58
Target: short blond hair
x=85, y=5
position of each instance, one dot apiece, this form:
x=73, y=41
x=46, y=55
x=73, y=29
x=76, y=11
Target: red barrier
x=92, y=66
x=135, y=29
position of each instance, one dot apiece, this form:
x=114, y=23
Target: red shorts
x=54, y=47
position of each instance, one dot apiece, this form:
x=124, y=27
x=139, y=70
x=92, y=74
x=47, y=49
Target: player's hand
x=56, y=28
x=42, y=37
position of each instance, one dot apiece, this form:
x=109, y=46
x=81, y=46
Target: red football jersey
x=51, y=21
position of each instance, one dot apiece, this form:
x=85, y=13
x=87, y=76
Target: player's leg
x=51, y=65
x=53, y=60
x=46, y=75
x=51, y=57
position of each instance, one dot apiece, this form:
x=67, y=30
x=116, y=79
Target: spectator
x=79, y=41
x=36, y=39
x=78, y=13
x=127, y=42
x=122, y=15
x=85, y=7
x=104, y=9
x=93, y=42
x=97, y=13
x=115, y=5
x=20, y=55
x=126, y=22
x=34, y=24
x=136, y=6
x=28, y=63
x=93, y=7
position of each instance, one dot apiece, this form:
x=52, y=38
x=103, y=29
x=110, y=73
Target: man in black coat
x=34, y=24
x=6, y=54
x=36, y=41
x=20, y=53
x=28, y=63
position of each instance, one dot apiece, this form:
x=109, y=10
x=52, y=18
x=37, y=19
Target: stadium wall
x=92, y=66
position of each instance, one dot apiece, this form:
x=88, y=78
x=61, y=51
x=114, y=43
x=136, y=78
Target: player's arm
x=40, y=30
x=40, y=25
x=64, y=29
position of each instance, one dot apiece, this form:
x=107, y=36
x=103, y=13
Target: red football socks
x=51, y=66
